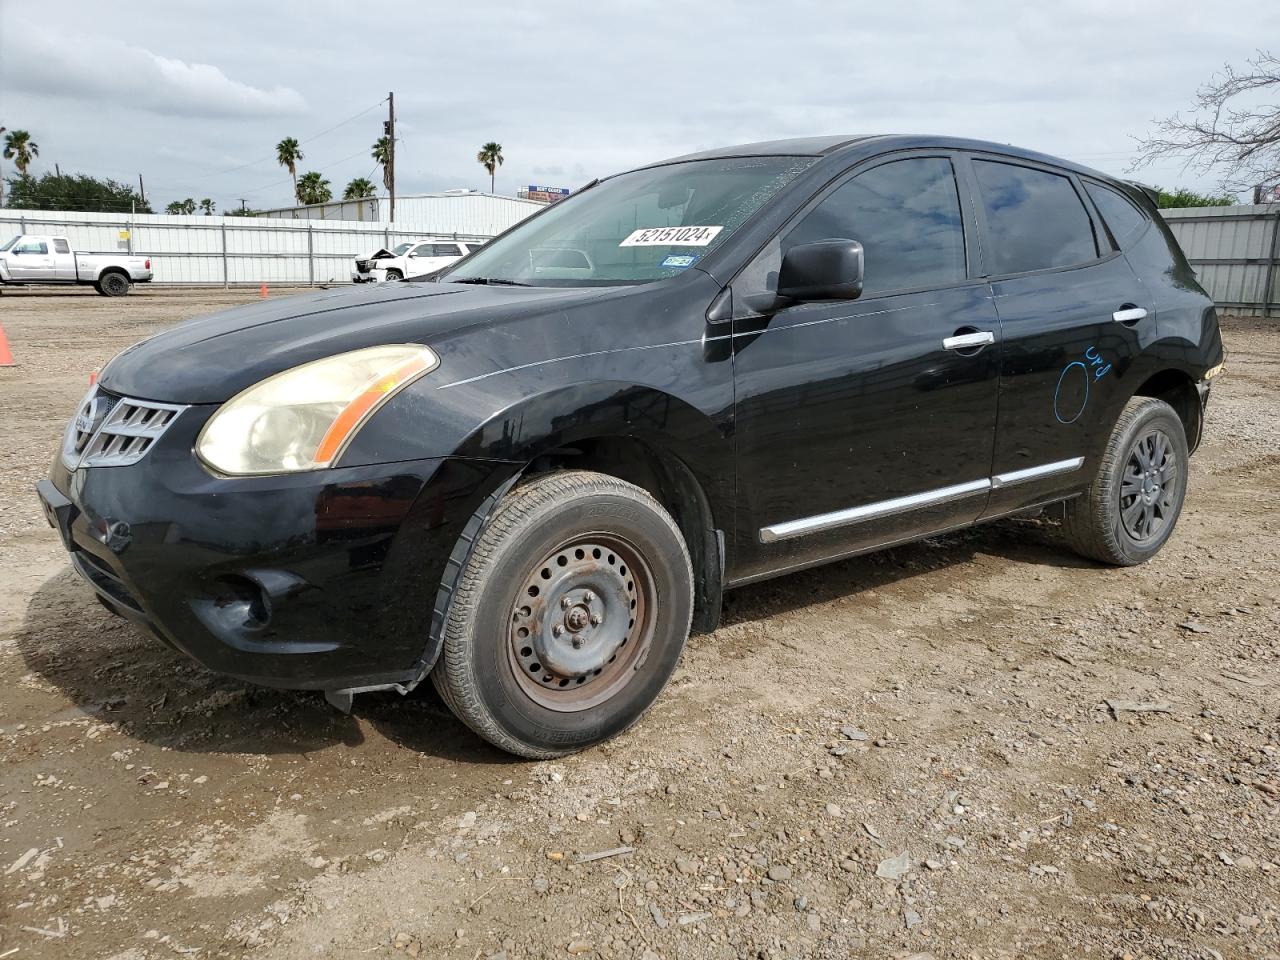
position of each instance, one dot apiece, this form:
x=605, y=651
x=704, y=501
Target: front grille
x=114, y=431
x=364, y=266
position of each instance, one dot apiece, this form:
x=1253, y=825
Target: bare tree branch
x=1239, y=140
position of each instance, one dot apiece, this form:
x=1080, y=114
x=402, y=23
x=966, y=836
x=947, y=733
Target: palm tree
x=313, y=188
x=289, y=154
x=490, y=157
x=180, y=207
x=20, y=148
x=359, y=188
x=207, y=206
x=382, y=155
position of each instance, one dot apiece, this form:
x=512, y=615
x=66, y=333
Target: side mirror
x=822, y=270
x=413, y=253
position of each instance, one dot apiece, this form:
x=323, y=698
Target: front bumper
x=323, y=580
x=377, y=275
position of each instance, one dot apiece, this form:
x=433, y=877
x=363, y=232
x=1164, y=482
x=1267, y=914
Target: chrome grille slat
x=111, y=431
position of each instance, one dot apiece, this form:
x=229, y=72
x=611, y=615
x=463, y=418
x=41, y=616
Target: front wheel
x=394, y=276
x=1130, y=509
x=113, y=285
x=568, y=617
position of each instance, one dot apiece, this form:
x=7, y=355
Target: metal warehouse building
x=456, y=212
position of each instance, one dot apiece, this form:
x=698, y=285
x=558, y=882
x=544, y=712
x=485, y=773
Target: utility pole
x=57, y=171
x=242, y=203
x=2, y=130
x=391, y=151
x=142, y=191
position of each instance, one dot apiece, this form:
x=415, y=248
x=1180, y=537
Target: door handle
x=967, y=341
x=1129, y=315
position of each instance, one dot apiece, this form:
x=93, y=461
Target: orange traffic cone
x=262, y=292
x=6, y=355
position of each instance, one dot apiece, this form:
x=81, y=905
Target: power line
x=322, y=169
x=313, y=137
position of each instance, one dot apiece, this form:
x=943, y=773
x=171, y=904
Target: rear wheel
x=113, y=284
x=1131, y=507
x=569, y=616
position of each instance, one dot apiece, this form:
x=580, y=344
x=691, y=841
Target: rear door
x=1073, y=317
x=861, y=422
x=64, y=261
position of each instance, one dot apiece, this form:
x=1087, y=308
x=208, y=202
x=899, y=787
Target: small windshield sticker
x=679, y=262
x=671, y=236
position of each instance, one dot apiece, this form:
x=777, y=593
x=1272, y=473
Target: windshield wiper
x=495, y=281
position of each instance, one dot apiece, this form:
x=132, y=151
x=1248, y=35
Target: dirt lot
x=905, y=755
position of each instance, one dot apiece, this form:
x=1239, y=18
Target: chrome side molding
x=916, y=501
x=1015, y=477
x=871, y=511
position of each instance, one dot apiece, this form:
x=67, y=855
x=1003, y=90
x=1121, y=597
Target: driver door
x=29, y=259
x=863, y=422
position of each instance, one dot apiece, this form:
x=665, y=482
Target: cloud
x=121, y=76
x=580, y=89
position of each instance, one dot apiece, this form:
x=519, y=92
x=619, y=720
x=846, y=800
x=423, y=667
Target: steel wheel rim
x=1149, y=486
x=581, y=623
x=114, y=283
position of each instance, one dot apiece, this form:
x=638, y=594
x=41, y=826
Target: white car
x=411, y=259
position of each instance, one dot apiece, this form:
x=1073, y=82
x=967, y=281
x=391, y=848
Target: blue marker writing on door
x=1072, y=392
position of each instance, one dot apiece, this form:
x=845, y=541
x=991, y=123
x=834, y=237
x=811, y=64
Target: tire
x=394, y=275
x=113, y=284
x=1135, y=499
x=595, y=558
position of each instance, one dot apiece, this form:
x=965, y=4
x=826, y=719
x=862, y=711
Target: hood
x=211, y=359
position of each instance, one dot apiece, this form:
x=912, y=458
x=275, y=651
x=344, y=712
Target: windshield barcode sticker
x=671, y=236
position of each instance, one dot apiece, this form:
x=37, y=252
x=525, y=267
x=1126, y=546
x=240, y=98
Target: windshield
x=10, y=242
x=400, y=249
x=636, y=227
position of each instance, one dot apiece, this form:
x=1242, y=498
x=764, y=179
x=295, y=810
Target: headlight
x=302, y=419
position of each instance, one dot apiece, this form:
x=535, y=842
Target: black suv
x=531, y=476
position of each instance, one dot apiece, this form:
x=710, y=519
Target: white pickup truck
x=407, y=260
x=36, y=259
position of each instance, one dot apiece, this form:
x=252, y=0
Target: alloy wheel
x=1149, y=486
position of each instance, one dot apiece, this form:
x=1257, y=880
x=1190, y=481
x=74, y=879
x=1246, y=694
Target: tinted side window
x=1036, y=219
x=1124, y=219
x=61, y=246
x=32, y=246
x=906, y=215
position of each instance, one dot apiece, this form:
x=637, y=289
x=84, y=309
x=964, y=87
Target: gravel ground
x=975, y=746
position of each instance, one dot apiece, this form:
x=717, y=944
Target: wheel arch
x=678, y=453
x=668, y=479
x=1178, y=389
x=663, y=444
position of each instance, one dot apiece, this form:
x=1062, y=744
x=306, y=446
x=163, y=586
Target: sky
x=195, y=95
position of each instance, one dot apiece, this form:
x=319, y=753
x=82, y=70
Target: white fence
x=226, y=251
x=1235, y=252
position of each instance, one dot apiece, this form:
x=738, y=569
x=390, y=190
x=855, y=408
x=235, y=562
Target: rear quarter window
x=1124, y=219
x=1035, y=219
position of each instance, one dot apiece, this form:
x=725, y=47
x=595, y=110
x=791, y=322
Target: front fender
x=478, y=423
